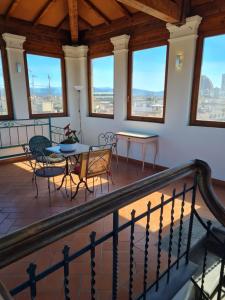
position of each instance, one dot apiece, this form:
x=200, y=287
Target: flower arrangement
x=71, y=137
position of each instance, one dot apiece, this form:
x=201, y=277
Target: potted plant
x=69, y=143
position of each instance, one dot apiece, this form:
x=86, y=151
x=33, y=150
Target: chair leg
x=54, y=183
x=108, y=181
x=35, y=181
x=49, y=188
x=117, y=160
x=100, y=182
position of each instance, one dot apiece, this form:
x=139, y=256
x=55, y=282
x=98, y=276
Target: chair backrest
x=38, y=145
x=107, y=138
x=95, y=163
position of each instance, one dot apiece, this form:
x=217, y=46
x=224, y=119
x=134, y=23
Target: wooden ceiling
x=79, y=16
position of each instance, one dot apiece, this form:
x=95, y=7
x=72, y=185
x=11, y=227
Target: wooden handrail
x=4, y=293
x=42, y=233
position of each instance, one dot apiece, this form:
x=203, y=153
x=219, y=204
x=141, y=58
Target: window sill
x=146, y=119
x=207, y=124
x=104, y=116
x=45, y=116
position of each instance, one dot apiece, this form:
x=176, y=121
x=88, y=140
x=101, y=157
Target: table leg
x=143, y=149
x=66, y=173
x=156, y=152
x=128, y=148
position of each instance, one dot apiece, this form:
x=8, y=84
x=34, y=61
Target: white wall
x=178, y=142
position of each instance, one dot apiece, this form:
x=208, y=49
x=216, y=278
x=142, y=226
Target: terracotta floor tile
x=18, y=207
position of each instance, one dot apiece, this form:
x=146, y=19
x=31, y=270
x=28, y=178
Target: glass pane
x=45, y=81
x=3, y=101
x=102, y=85
x=211, y=98
x=148, y=81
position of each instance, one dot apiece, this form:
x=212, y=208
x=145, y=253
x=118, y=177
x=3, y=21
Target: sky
x=148, y=70
x=39, y=67
x=102, y=71
x=213, y=64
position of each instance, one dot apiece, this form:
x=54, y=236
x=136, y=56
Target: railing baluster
x=221, y=274
x=92, y=238
x=27, y=135
x=66, y=272
x=171, y=235
x=191, y=219
x=205, y=260
x=146, y=250
x=181, y=226
x=131, y=279
x=159, y=244
x=31, y=272
x=10, y=138
x=18, y=135
x=115, y=254
x=42, y=130
x=1, y=137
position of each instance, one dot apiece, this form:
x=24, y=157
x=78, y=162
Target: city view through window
x=148, y=81
x=102, y=71
x=3, y=101
x=45, y=83
x=211, y=98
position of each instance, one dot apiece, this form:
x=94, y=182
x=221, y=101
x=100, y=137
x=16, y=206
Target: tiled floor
x=18, y=208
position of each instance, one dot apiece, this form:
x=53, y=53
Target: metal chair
x=109, y=138
x=41, y=169
x=37, y=147
x=94, y=163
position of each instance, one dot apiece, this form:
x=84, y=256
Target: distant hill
x=136, y=92
x=56, y=91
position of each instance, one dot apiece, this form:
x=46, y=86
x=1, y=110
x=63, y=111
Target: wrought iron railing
x=36, y=236
x=16, y=133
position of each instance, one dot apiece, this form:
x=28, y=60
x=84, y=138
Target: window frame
x=196, y=83
x=64, y=89
x=90, y=106
x=130, y=117
x=6, y=79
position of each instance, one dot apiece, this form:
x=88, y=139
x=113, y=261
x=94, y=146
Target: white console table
x=140, y=138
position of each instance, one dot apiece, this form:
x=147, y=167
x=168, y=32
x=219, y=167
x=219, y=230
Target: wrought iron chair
x=109, y=138
x=94, y=163
x=42, y=169
x=38, y=145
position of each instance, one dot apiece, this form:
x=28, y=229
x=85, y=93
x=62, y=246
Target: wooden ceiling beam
x=62, y=22
x=87, y=24
x=73, y=19
x=185, y=10
x=165, y=10
x=98, y=11
x=12, y=6
x=123, y=9
x=42, y=12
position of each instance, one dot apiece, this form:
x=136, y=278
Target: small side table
x=142, y=139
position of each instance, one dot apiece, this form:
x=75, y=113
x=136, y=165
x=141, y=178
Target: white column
x=120, y=44
x=76, y=75
x=14, y=47
x=182, y=44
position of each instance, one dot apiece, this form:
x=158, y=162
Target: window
x=101, y=86
x=208, y=101
x=46, y=85
x=146, y=89
x=5, y=93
